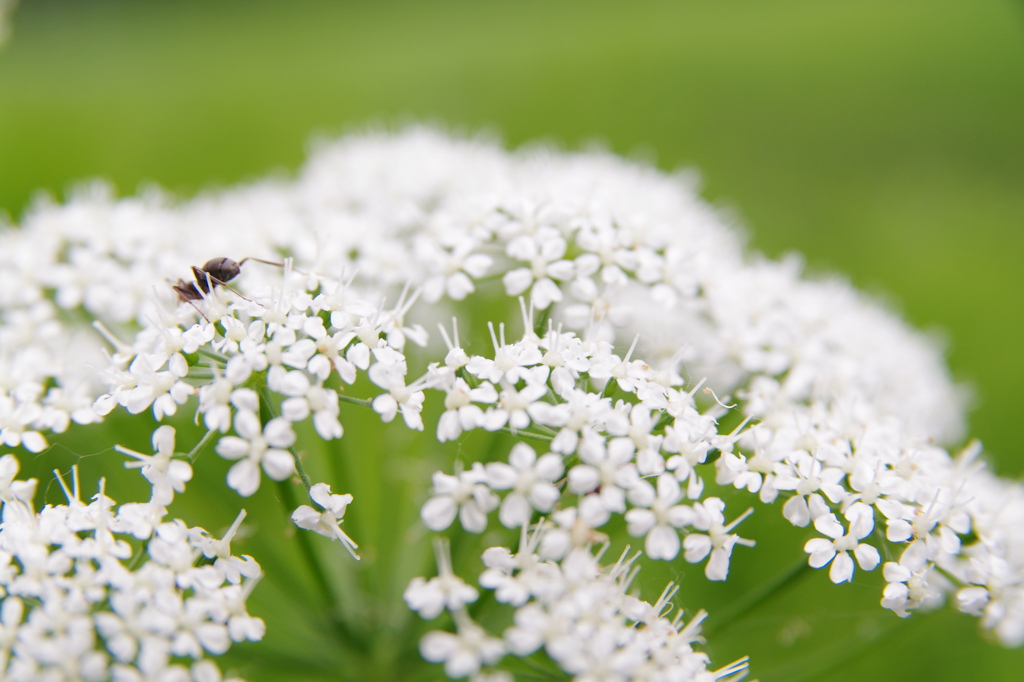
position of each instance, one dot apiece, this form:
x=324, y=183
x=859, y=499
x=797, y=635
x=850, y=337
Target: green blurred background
x=882, y=139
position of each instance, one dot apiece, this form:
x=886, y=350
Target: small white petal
x=662, y=543
x=244, y=477
x=438, y=512
x=867, y=556
x=842, y=569
x=278, y=464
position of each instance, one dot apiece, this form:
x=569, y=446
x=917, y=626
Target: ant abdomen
x=220, y=269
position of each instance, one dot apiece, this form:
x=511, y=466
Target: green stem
x=664, y=420
x=527, y=434
x=267, y=412
x=355, y=401
x=301, y=471
x=609, y=386
x=537, y=666
x=267, y=409
x=287, y=497
x=194, y=452
x=541, y=321
x=470, y=380
x=350, y=638
x=212, y=355
x=139, y=553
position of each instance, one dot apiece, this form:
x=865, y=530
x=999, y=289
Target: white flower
x=214, y=401
x=455, y=267
x=328, y=521
x=718, y=542
x=628, y=373
x=516, y=578
x=166, y=475
x=517, y=408
x=573, y=529
x=231, y=567
x=15, y=420
x=606, y=467
x=661, y=518
x=464, y=653
x=254, y=352
x=460, y=413
x=543, y=252
x=638, y=430
x=328, y=349
x=567, y=359
x=254, y=448
x=389, y=374
x=512, y=363
x=911, y=583
x=689, y=437
x=581, y=412
x=531, y=481
x=63, y=405
x=323, y=404
x=466, y=494
x=807, y=477
x=11, y=489
x=163, y=389
x=446, y=591
x=837, y=549
x=83, y=610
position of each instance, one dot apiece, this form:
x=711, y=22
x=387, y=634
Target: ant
x=215, y=271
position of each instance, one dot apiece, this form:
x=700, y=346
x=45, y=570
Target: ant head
x=221, y=269
x=187, y=291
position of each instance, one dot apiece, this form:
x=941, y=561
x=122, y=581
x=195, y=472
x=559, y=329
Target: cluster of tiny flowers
x=78, y=604
x=580, y=612
x=634, y=456
x=655, y=356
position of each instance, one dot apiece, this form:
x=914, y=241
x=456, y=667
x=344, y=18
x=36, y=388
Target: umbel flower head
x=631, y=369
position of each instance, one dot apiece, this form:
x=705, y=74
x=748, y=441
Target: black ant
x=216, y=271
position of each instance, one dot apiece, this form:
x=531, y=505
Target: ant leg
x=192, y=303
x=212, y=281
x=260, y=260
x=235, y=291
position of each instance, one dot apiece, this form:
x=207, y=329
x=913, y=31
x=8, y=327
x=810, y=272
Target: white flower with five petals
x=254, y=447
x=836, y=550
x=531, y=481
x=658, y=515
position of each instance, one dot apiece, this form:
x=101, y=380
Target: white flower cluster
x=580, y=612
x=841, y=414
x=653, y=432
x=78, y=604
